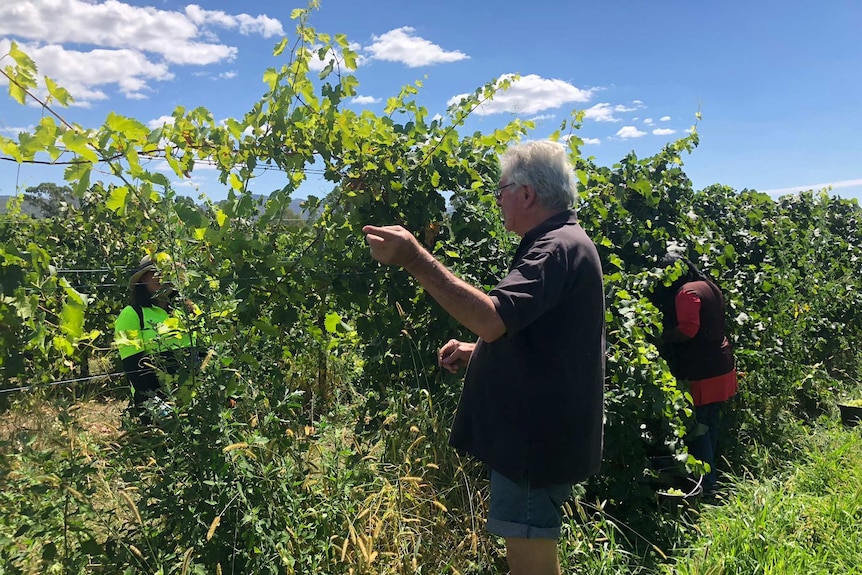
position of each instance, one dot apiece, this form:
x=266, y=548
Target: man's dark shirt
x=532, y=404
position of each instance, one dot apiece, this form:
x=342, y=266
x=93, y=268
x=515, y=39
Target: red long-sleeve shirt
x=711, y=389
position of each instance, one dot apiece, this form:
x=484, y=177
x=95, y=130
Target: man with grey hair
x=531, y=407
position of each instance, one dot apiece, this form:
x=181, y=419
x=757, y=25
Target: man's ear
x=529, y=195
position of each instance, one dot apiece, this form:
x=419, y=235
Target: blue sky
x=779, y=84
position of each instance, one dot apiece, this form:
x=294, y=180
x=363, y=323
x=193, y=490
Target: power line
x=41, y=221
x=129, y=269
x=150, y=157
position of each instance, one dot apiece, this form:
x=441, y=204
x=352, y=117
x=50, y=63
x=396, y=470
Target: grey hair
x=544, y=166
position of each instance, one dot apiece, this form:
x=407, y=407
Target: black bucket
x=851, y=415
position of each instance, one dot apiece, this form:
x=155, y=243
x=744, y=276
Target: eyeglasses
x=499, y=191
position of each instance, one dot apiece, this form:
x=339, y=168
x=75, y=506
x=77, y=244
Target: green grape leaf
x=117, y=200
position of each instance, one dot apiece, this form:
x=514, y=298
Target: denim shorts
x=517, y=510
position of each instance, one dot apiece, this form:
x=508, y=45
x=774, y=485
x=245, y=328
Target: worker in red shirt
x=696, y=348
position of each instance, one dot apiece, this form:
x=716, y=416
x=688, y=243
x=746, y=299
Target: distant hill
x=295, y=205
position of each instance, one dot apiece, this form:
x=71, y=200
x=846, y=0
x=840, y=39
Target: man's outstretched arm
x=471, y=307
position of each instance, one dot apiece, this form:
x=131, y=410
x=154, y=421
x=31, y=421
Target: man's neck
x=537, y=217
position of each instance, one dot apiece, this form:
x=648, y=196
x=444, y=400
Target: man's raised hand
x=392, y=245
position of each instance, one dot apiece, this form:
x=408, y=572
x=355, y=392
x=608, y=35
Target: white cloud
x=401, y=45
x=86, y=74
x=592, y=141
x=200, y=54
x=160, y=166
x=663, y=132
x=623, y=108
x=316, y=63
x=261, y=25
x=542, y=117
x=113, y=24
x=229, y=75
x=530, y=94
x=630, y=132
x=794, y=189
x=664, y=119
x=648, y=121
x=16, y=130
x=135, y=45
x=160, y=121
x=604, y=112
x=365, y=100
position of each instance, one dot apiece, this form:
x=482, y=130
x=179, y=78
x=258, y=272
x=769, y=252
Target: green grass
x=407, y=505
x=806, y=521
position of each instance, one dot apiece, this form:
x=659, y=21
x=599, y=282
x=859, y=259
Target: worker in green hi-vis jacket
x=151, y=337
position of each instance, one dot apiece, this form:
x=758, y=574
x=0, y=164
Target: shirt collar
x=558, y=220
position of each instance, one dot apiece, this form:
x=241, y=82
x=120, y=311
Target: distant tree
x=49, y=200
x=277, y=211
x=290, y=218
x=189, y=203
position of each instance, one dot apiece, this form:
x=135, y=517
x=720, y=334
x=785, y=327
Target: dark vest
x=708, y=353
